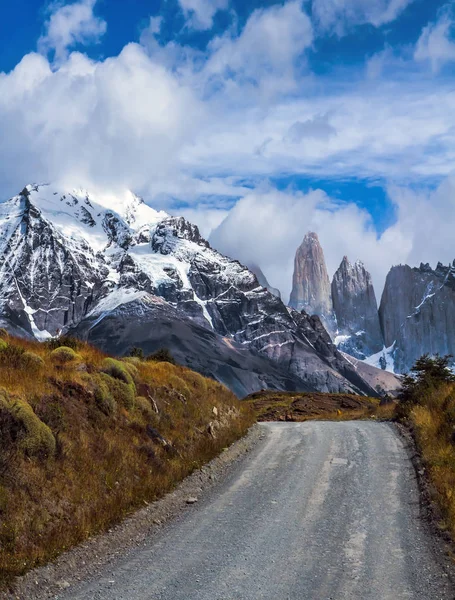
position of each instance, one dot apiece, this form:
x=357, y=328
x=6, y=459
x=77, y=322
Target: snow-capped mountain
x=121, y=274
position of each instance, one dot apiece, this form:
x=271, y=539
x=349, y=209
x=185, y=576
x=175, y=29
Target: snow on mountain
x=97, y=265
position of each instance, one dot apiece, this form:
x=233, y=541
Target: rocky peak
x=417, y=313
x=175, y=228
x=311, y=286
x=356, y=310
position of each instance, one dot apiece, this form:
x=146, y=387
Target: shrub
x=132, y=360
x=32, y=361
x=178, y=384
x=37, y=439
x=66, y=341
x=123, y=393
x=132, y=370
x=196, y=383
x=64, y=355
x=162, y=355
x=3, y=345
x=136, y=353
x=104, y=399
x=3, y=333
x=419, y=386
x=144, y=405
x=117, y=370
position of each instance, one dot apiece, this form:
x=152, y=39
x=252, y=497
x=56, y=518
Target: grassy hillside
x=291, y=406
x=85, y=439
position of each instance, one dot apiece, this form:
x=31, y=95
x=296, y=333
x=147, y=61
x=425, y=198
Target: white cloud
x=264, y=54
x=203, y=130
x=71, y=24
x=339, y=16
x=266, y=227
x=200, y=13
x=436, y=44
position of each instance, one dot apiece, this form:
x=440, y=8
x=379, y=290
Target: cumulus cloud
x=197, y=133
x=69, y=25
x=265, y=51
x=339, y=16
x=200, y=13
x=267, y=226
x=436, y=44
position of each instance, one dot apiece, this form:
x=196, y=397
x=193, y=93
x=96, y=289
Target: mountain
x=262, y=279
x=356, y=310
x=311, y=286
x=417, y=313
x=119, y=274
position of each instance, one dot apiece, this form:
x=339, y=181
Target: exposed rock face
x=311, y=286
x=417, y=312
x=263, y=280
x=122, y=275
x=356, y=310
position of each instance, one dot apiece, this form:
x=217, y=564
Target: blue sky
x=245, y=116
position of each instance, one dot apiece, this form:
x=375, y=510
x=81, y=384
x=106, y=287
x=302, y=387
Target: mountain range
x=416, y=315
x=115, y=272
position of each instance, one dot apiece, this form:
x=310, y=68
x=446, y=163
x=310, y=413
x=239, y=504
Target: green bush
x=104, y=399
x=132, y=360
x=65, y=340
x=162, y=355
x=3, y=345
x=64, y=355
x=144, y=405
x=123, y=393
x=37, y=439
x=117, y=370
x=32, y=361
x=137, y=353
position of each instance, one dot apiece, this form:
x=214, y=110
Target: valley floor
x=317, y=510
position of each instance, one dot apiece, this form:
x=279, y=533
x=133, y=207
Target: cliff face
x=356, y=310
x=311, y=286
x=417, y=312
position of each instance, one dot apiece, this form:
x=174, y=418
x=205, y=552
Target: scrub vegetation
x=86, y=439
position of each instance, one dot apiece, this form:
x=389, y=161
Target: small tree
x=162, y=355
x=137, y=353
x=427, y=375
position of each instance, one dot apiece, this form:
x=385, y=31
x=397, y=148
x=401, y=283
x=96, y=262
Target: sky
x=257, y=120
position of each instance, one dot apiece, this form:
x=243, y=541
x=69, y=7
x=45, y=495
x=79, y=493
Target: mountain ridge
x=76, y=264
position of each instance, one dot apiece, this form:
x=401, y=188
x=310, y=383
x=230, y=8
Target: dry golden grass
x=433, y=422
x=101, y=460
x=291, y=406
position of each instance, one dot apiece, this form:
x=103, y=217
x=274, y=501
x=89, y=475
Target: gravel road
x=317, y=511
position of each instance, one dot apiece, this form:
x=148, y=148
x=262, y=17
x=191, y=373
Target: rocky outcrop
x=131, y=276
x=356, y=310
x=417, y=313
x=311, y=286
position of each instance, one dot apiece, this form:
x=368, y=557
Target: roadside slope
x=85, y=439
